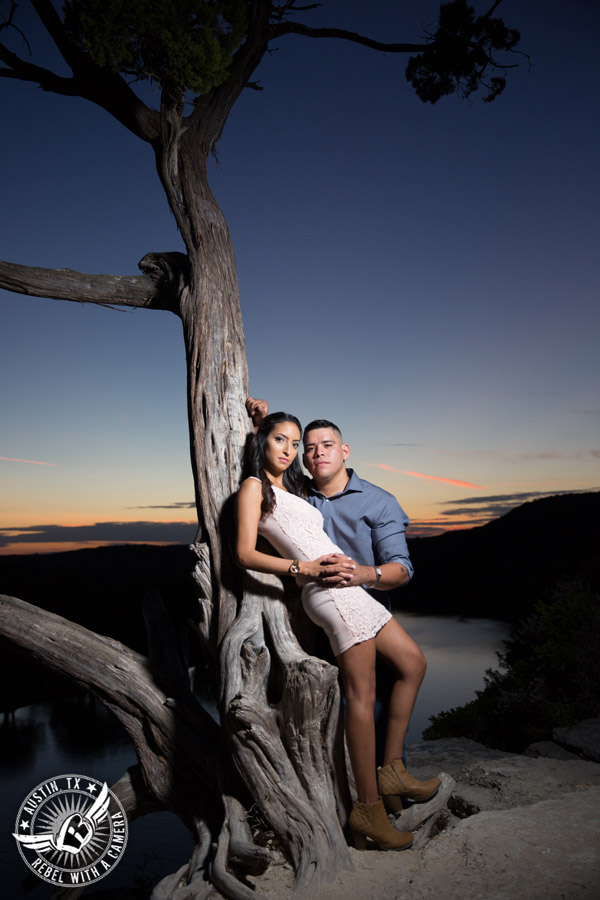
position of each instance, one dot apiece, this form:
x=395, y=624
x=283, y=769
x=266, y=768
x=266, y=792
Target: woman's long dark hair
x=293, y=479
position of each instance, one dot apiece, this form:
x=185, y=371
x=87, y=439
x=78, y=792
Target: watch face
x=295, y=568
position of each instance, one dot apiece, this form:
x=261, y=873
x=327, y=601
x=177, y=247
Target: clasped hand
x=338, y=570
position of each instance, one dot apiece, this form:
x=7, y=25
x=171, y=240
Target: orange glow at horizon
x=31, y=462
x=454, y=481
x=29, y=549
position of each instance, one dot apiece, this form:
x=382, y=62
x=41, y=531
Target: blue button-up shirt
x=366, y=522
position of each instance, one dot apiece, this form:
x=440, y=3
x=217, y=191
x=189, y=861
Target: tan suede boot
x=369, y=820
x=396, y=785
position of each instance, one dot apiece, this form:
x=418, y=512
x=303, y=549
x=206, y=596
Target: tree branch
x=101, y=86
x=56, y=29
x=171, y=732
x=149, y=290
x=283, y=28
x=24, y=71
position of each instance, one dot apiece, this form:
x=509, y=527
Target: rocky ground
x=503, y=827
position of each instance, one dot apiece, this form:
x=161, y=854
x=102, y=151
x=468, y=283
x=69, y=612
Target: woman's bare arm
x=249, y=501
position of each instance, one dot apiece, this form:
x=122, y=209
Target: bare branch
x=25, y=71
x=8, y=23
x=492, y=8
x=105, y=290
x=341, y=33
x=289, y=6
x=56, y=29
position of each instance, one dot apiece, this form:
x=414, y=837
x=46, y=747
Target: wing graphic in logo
x=98, y=809
x=39, y=842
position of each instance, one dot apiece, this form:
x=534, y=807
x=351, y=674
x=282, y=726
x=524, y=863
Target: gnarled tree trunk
x=280, y=742
x=280, y=708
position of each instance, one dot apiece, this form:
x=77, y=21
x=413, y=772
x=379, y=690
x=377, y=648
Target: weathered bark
x=281, y=709
x=157, y=288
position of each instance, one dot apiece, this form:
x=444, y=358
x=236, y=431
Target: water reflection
x=458, y=653
x=19, y=737
x=82, y=725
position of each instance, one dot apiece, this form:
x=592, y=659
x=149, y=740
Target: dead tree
x=278, y=745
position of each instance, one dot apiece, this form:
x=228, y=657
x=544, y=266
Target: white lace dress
x=347, y=615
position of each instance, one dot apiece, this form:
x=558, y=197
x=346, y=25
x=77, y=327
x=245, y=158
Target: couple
x=364, y=521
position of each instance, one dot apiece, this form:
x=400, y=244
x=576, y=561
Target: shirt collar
x=354, y=486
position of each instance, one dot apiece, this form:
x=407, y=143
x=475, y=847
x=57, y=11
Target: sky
x=425, y=276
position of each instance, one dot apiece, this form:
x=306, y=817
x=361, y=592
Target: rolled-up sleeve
x=388, y=532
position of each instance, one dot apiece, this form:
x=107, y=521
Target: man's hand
x=342, y=571
x=338, y=570
x=257, y=410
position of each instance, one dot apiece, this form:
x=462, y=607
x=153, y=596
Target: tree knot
x=171, y=273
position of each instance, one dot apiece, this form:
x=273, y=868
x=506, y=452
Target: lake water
x=458, y=653
x=77, y=735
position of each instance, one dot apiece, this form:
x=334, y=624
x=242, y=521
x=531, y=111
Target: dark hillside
x=500, y=569
x=101, y=589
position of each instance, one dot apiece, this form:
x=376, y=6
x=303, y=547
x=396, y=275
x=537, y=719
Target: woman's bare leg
x=399, y=650
x=357, y=666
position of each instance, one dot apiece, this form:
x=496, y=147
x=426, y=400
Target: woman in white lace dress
x=270, y=503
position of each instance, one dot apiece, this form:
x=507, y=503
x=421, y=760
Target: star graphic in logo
x=24, y=825
x=91, y=788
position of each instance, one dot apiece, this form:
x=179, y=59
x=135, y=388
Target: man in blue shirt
x=365, y=521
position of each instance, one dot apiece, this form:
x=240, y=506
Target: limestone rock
x=548, y=850
x=549, y=749
x=527, y=829
x=583, y=738
x=451, y=755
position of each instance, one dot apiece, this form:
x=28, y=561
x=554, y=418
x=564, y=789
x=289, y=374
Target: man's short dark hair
x=321, y=423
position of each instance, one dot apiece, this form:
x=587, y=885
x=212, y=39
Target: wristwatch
x=294, y=569
x=377, y=575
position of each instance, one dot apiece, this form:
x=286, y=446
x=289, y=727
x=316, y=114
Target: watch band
x=377, y=575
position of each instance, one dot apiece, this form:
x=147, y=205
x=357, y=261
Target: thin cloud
x=516, y=499
x=425, y=528
x=453, y=481
x=573, y=456
x=521, y=497
x=184, y=504
x=491, y=507
x=519, y=457
x=31, y=462
x=471, y=512
x=113, y=532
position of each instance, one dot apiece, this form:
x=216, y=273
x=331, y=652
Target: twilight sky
x=427, y=277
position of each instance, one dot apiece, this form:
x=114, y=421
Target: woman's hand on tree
x=257, y=410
